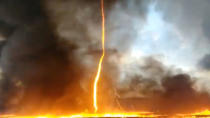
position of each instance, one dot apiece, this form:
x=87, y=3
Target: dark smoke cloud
x=180, y=96
x=5, y=29
x=206, y=27
x=36, y=68
x=205, y=62
x=20, y=12
x=174, y=94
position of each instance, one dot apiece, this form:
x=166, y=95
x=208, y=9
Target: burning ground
x=50, y=51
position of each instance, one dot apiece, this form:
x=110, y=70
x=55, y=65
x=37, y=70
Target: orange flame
x=202, y=114
x=86, y=115
x=101, y=59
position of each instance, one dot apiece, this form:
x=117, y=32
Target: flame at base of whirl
x=202, y=114
x=108, y=115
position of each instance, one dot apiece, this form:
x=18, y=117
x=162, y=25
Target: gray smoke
x=205, y=62
x=34, y=62
x=166, y=91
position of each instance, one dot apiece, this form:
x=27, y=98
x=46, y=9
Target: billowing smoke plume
x=36, y=68
x=49, y=55
x=172, y=93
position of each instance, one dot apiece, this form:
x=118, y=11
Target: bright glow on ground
x=130, y=114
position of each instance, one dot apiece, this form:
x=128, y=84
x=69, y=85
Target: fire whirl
x=101, y=59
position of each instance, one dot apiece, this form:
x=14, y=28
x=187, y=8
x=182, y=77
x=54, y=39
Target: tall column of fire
x=101, y=59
